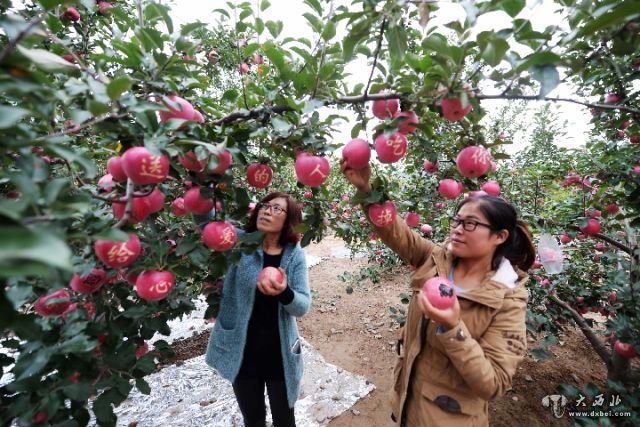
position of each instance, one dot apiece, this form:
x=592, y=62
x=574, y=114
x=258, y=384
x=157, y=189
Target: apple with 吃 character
x=440, y=292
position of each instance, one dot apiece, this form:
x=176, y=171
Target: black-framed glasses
x=467, y=224
x=275, y=209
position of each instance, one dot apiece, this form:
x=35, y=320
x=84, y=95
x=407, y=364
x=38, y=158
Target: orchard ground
x=356, y=332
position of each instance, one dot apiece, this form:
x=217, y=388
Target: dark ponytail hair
x=518, y=248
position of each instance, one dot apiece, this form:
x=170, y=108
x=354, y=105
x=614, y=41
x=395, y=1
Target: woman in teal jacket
x=255, y=340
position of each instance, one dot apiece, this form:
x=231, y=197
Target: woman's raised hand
x=358, y=177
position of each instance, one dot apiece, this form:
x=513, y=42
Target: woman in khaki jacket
x=453, y=361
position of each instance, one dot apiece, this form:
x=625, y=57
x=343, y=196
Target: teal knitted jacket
x=228, y=339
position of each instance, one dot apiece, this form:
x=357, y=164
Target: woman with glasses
x=255, y=342
x=453, y=361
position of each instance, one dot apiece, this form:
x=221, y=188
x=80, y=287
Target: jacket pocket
x=453, y=402
x=224, y=339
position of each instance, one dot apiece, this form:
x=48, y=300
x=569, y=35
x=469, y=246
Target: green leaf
x=31, y=364
x=276, y=57
x=9, y=116
x=493, y=50
x=619, y=14
x=154, y=10
x=540, y=58
x=73, y=157
x=397, y=40
x=355, y=130
x=259, y=26
x=45, y=60
x=512, y=7
x=54, y=188
x=50, y=4
x=314, y=21
x=264, y=5
x=118, y=86
x=20, y=243
x=143, y=386
x=548, y=77
x=329, y=31
x=275, y=28
x=79, y=391
x=191, y=27
x=315, y=5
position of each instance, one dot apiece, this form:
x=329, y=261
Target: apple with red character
x=219, y=236
x=154, y=285
x=118, y=254
x=382, y=214
x=311, y=170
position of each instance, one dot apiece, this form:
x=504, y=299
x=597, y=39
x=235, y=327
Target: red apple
x=431, y=167
x=142, y=350
x=357, y=153
x=412, y=219
x=407, y=121
x=536, y=264
x=634, y=139
x=140, y=209
x=625, y=350
x=178, y=208
x=219, y=236
x=269, y=273
x=155, y=201
x=72, y=14
x=611, y=98
x=53, y=304
x=198, y=117
x=382, y=214
x=90, y=283
x=194, y=202
x=600, y=246
x=311, y=170
x=154, y=285
x=258, y=59
x=612, y=209
x=385, y=108
x=191, y=162
x=473, y=161
x=259, y=175
x=179, y=108
x=564, y=239
x=118, y=254
x=244, y=68
x=391, y=149
x=143, y=168
x=492, y=188
x=39, y=418
x=426, y=229
x=307, y=195
x=103, y=8
x=106, y=184
x=453, y=110
x=114, y=167
x=225, y=159
x=440, y=292
x=592, y=227
x=613, y=297
x=449, y=188
x=594, y=213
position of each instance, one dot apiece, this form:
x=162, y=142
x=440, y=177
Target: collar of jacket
x=494, y=287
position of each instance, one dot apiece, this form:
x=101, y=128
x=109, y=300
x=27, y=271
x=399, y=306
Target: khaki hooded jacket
x=451, y=375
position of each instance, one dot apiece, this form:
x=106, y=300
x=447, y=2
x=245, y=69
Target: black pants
x=250, y=396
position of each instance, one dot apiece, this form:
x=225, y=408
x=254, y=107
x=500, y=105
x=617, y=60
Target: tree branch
x=22, y=34
x=128, y=208
x=120, y=199
x=78, y=128
x=596, y=342
x=376, y=53
x=607, y=239
x=558, y=99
